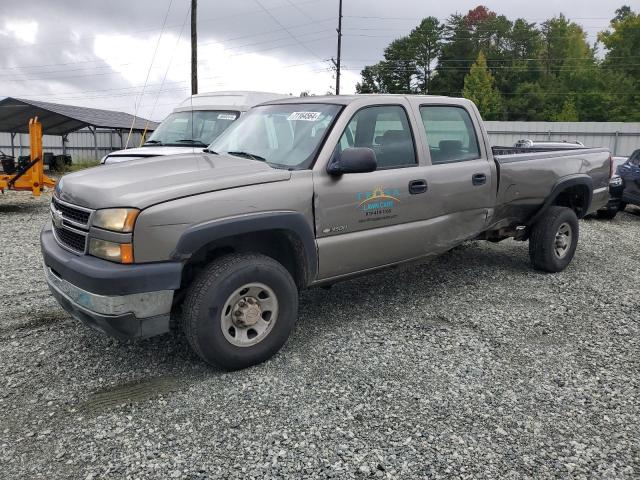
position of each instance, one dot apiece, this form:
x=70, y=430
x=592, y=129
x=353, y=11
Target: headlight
x=116, y=219
x=115, y=252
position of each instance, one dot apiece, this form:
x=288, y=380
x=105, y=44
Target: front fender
x=197, y=236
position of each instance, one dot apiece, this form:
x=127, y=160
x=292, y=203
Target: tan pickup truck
x=300, y=193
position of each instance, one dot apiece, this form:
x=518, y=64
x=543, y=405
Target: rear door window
x=450, y=133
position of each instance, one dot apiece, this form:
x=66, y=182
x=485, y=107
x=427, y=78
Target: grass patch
x=79, y=165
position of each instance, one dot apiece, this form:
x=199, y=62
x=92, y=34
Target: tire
x=222, y=302
x=607, y=214
x=547, y=251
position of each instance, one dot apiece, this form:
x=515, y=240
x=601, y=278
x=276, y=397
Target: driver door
x=367, y=220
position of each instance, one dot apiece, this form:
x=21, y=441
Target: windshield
x=192, y=128
x=285, y=136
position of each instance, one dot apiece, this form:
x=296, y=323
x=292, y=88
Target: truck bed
x=527, y=179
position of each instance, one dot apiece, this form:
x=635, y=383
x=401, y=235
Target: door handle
x=417, y=186
x=479, y=179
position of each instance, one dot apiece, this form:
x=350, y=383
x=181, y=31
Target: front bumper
x=115, y=299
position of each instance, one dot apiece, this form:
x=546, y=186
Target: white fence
x=620, y=138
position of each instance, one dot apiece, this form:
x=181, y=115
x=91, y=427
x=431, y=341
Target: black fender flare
x=197, y=236
x=560, y=186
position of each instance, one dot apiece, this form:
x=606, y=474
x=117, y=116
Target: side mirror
x=353, y=160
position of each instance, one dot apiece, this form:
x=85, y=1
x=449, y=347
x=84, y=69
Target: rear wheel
x=240, y=310
x=553, y=240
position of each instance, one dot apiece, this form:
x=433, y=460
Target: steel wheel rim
x=249, y=314
x=562, y=242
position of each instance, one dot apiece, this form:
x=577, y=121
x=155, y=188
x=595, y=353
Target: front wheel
x=240, y=310
x=553, y=240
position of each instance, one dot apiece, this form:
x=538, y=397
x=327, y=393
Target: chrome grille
x=70, y=212
x=70, y=239
x=70, y=225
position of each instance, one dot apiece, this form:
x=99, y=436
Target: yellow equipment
x=31, y=176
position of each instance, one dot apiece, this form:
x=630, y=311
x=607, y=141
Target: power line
x=201, y=43
x=532, y=59
x=82, y=93
x=135, y=113
x=22, y=78
x=372, y=17
x=560, y=68
x=155, y=103
x=285, y=29
x=217, y=19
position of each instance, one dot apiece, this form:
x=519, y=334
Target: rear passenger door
x=460, y=178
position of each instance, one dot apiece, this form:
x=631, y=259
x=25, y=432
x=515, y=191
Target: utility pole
x=337, y=63
x=194, y=48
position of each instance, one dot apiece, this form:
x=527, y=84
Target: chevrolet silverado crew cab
x=299, y=193
x=194, y=124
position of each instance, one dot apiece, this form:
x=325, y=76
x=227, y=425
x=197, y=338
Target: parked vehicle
x=630, y=174
x=299, y=193
x=194, y=124
x=616, y=188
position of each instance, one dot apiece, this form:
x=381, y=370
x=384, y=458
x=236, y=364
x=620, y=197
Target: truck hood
x=145, y=152
x=147, y=182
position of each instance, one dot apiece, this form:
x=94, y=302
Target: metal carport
x=60, y=119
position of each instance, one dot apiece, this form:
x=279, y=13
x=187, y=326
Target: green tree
x=537, y=73
x=372, y=81
x=394, y=74
x=569, y=113
x=479, y=87
x=456, y=56
x=399, y=66
x=565, y=46
x=426, y=42
x=622, y=42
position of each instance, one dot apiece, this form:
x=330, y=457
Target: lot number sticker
x=226, y=116
x=305, y=116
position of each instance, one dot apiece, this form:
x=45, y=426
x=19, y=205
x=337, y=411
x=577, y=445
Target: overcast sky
x=100, y=53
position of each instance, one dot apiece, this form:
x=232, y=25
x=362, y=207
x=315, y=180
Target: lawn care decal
x=378, y=204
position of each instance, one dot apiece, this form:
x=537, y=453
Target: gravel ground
x=472, y=366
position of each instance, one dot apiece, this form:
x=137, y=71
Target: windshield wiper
x=153, y=142
x=248, y=155
x=206, y=150
x=191, y=141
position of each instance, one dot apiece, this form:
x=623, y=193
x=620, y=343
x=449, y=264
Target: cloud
x=23, y=30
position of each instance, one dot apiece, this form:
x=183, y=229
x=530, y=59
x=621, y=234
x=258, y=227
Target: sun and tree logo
x=378, y=201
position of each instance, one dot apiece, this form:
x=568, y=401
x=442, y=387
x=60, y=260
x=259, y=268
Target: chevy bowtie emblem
x=56, y=217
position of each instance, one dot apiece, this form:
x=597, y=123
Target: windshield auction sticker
x=305, y=116
x=226, y=116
